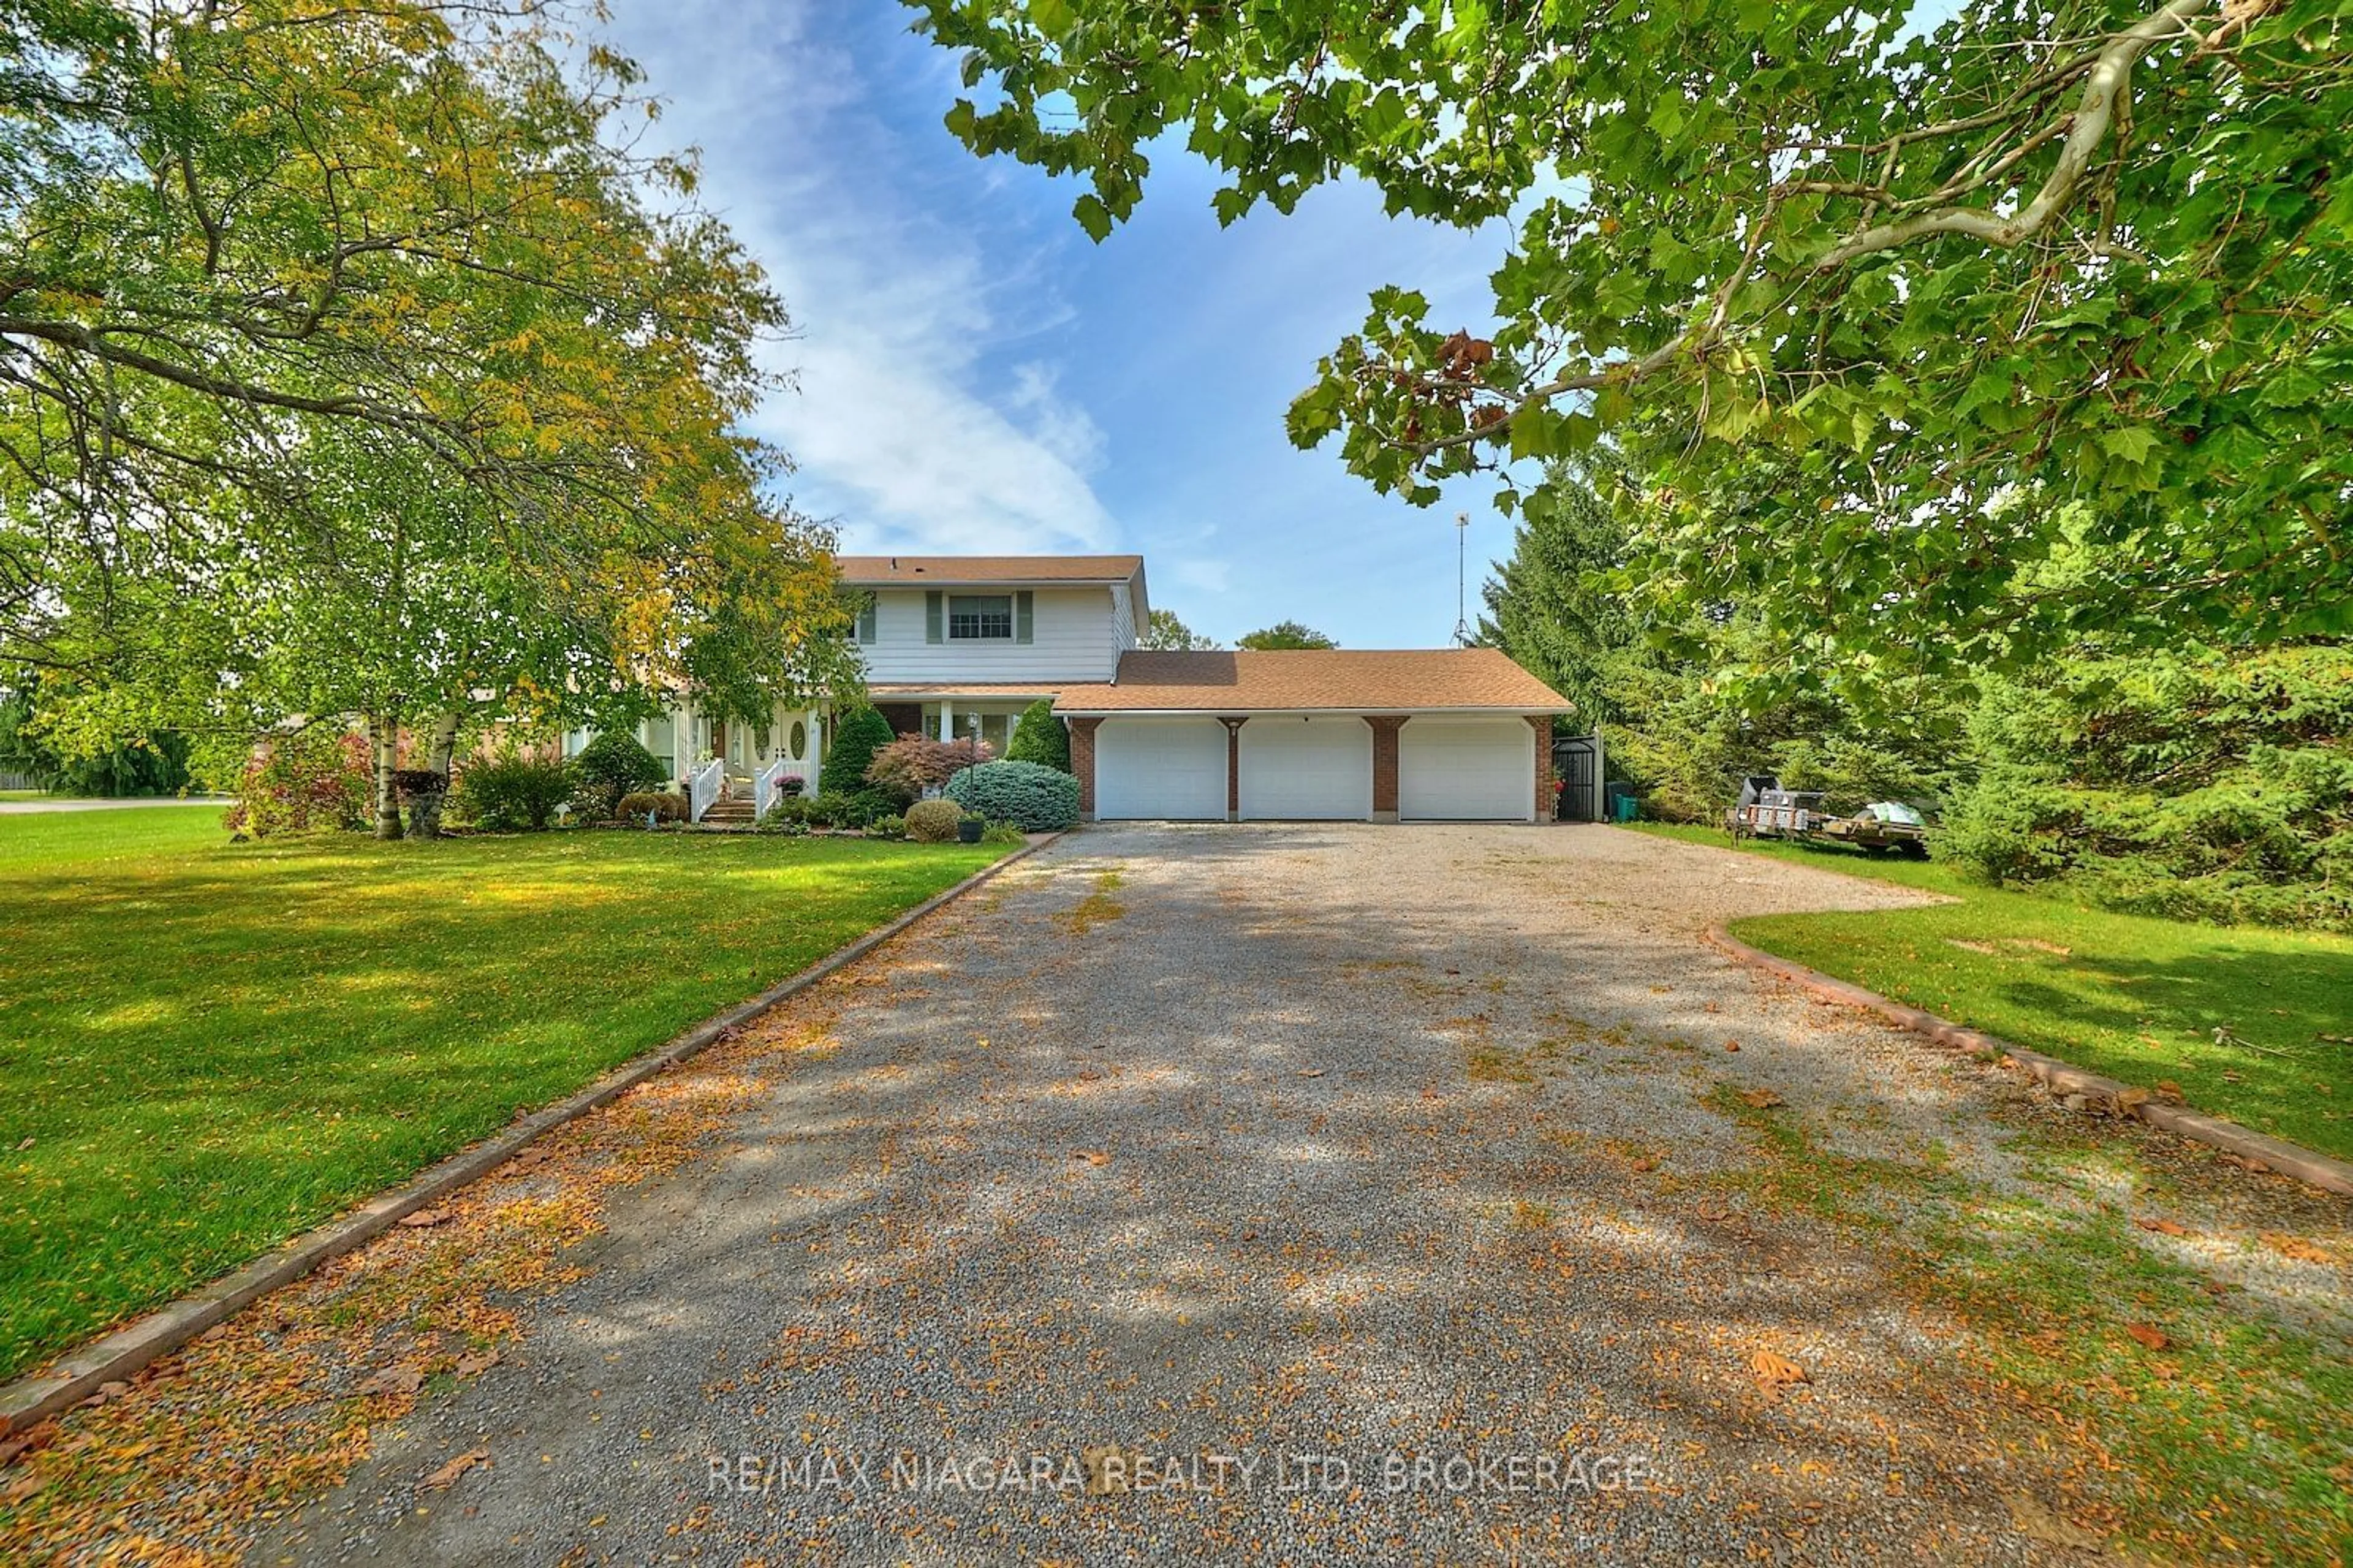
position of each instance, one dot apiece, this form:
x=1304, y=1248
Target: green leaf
x=1093, y=216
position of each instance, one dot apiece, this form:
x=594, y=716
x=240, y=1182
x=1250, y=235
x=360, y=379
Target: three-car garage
x=1313, y=735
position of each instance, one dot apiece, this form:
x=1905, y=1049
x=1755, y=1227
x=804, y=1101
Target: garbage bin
x=1618, y=800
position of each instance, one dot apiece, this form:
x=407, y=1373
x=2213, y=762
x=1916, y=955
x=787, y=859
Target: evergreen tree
x=1040, y=737
x=1553, y=607
x=859, y=736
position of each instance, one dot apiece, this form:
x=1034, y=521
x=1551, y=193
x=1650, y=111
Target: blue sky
x=975, y=374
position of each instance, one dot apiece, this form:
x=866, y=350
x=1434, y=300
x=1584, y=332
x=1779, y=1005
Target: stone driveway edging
x=2058, y=1077
x=115, y=1356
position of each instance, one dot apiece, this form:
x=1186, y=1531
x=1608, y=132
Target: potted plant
x=970, y=826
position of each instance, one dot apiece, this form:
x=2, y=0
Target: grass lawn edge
x=2058, y=1077
x=76, y=1374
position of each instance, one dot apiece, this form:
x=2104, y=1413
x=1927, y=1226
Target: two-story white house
x=959, y=645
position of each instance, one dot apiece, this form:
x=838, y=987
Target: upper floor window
x=980, y=616
x=865, y=633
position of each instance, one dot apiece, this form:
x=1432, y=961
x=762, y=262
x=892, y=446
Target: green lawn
x=2137, y=999
x=204, y=1048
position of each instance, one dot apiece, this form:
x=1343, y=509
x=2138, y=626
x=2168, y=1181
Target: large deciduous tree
x=1959, y=337
x=1284, y=636
x=349, y=363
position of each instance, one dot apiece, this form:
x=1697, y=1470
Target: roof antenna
x=1461, y=538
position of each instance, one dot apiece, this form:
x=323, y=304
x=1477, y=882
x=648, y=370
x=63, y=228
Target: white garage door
x=1161, y=768
x=1474, y=770
x=1313, y=768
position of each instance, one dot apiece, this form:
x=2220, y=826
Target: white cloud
x=897, y=430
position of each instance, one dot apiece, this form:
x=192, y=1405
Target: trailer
x=1883, y=827
x=1766, y=810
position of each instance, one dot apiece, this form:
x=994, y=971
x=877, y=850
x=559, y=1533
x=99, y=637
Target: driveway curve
x=1292, y=1193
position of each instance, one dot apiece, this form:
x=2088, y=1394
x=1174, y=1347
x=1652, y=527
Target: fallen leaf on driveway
x=1760, y=1098
x=2154, y=1337
x=1091, y=1156
x=2163, y=1227
x=1732, y=1044
x=449, y=1473
x=18, y=1491
x=394, y=1380
x=1311, y=1072
x=2039, y=1523
x=423, y=1218
x=2295, y=1246
x=1773, y=1370
x=469, y=1365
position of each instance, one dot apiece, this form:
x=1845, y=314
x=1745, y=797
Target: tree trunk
x=425, y=815
x=383, y=740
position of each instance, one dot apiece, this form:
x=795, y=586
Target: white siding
x=1073, y=640
x=1122, y=620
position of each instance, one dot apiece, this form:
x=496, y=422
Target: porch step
x=728, y=812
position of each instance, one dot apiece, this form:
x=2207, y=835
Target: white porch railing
x=702, y=788
x=763, y=788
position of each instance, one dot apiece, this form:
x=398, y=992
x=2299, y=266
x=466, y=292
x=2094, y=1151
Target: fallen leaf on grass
x=423, y=1217
x=2163, y=1227
x=2168, y=1091
x=23, y=1489
x=1091, y=1156
x=470, y=1366
x=2039, y=1523
x=2149, y=1335
x=394, y=1380
x=1760, y=1098
x=448, y=1474
x=1774, y=1370
x=2295, y=1246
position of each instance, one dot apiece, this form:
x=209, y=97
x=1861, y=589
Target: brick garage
x=1339, y=735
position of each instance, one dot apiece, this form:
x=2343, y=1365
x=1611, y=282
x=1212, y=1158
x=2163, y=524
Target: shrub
x=667, y=806
x=783, y=824
x=887, y=828
x=1040, y=737
x=318, y=778
x=515, y=791
x=933, y=821
x=856, y=739
x=1032, y=797
x=1002, y=833
x=609, y=767
x=914, y=764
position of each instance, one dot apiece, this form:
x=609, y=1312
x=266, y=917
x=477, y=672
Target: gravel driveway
x=1298, y=1194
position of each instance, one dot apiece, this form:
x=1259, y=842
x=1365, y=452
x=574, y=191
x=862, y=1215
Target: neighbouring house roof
x=1345, y=680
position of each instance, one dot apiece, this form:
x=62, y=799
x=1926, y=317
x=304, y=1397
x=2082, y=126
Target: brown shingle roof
x=1414, y=680
x=873, y=570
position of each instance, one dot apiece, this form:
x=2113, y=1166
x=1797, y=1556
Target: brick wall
x=1385, y=764
x=1542, y=724
x=1083, y=764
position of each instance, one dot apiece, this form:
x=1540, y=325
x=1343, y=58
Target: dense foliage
x=303, y=780
x=661, y=805
x=515, y=790
x=1284, y=635
x=2205, y=786
x=1163, y=632
x=933, y=821
x=914, y=764
x=1040, y=737
x=1034, y=798
x=1910, y=316
x=858, y=735
x=612, y=765
x=354, y=360
x=149, y=763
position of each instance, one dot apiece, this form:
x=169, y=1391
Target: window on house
x=974, y=616
x=866, y=619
